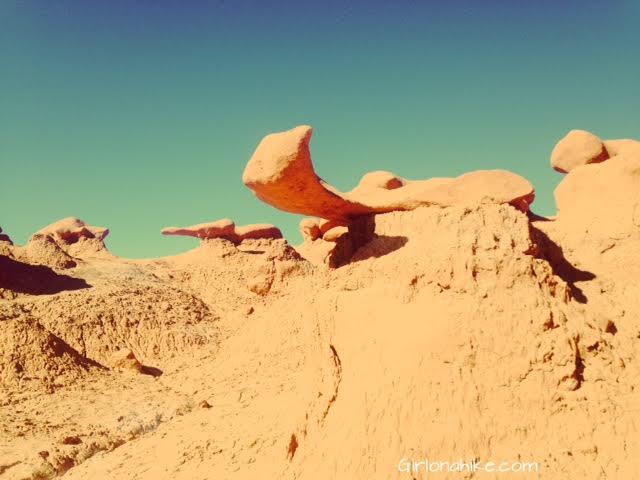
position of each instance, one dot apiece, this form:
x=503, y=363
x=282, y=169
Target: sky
x=140, y=115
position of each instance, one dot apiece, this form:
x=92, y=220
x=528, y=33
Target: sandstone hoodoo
x=226, y=229
x=281, y=173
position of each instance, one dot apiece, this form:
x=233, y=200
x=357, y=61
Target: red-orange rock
x=281, y=173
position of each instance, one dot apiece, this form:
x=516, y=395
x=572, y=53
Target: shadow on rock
x=380, y=246
x=552, y=252
x=35, y=279
x=153, y=371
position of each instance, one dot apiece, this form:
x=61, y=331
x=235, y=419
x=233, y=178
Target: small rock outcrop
x=578, y=148
x=61, y=244
x=593, y=167
x=580, y=201
x=126, y=360
x=624, y=146
x=222, y=228
x=281, y=173
x=226, y=229
x=331, y=242
x=72, y=230
x=5, y=238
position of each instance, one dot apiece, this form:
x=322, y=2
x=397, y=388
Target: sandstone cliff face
x=466, y=330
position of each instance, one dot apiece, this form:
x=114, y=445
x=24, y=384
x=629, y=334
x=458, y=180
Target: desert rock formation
x=226, y=229
x=63, y=243
x=5, y=238
x=577, y=148
x=464, y=328
x=281, y=173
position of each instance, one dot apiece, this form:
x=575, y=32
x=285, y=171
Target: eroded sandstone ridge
x=451, y=323
x=226, y=229
x=281, y=173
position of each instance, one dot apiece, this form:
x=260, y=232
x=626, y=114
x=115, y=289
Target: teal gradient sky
x=140, y=115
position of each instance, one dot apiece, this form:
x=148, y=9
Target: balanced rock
x=578, y=148
x=281, y=173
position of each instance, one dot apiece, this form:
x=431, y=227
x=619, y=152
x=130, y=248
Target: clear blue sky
x=139, y=115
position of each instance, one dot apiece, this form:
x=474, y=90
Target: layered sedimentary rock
x=71, y=230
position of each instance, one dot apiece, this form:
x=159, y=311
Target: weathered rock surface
x=281, y=173
x=624, y=147
x=5, y=238
x=578, y=148
x=66, y=242
x=602, y=200
x=71, y=230
x=310, y=228
x=226, y=229
x=466, y=330
x=222, y=228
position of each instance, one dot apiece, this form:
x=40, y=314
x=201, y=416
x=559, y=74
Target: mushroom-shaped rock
x=578, y=148
x=226, y=229
x=281, y=174
x=71, y=229
x=223, y=228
